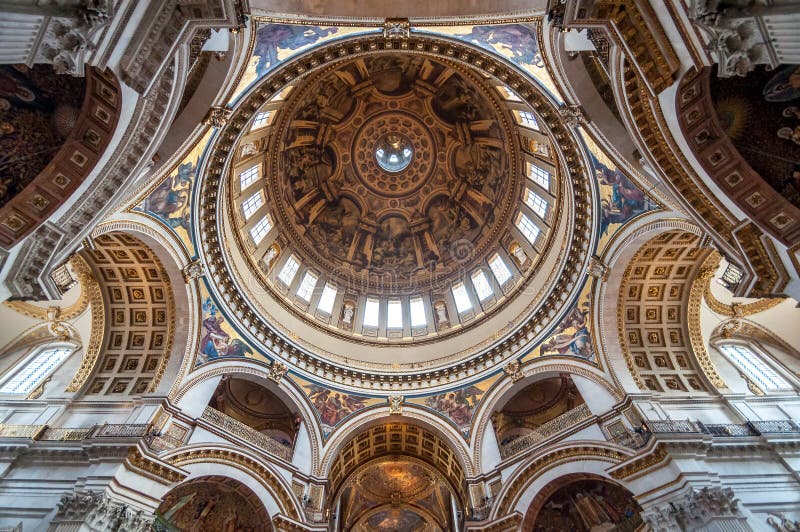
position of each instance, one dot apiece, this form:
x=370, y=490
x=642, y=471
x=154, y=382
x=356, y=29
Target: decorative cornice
x=733, y=310
x=631, y=468
x=138, y=462
x=533, y=468
x=247, y=464
x=278, y=344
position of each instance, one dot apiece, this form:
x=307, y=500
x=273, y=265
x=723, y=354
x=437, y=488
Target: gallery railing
x=545, y=430
x=246, y=433
x=722, y=430
x=48, y=433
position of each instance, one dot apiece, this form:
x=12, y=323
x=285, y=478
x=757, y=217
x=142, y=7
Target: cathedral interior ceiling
x=139, y=321
x=654, y=307
x=316, y=156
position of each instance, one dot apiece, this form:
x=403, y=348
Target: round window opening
x=394, y=152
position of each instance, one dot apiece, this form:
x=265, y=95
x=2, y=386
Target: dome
x=394, y=198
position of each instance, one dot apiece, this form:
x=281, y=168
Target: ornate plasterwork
x=733, y=310
x=632, y=468
x=268, y=478
x=275, y=341
x=97, y=511
x=516, y=485
x=138, y=462
x=699, y=286
x=95, y=297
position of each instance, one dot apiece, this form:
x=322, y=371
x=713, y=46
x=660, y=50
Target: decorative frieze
x=92, y=510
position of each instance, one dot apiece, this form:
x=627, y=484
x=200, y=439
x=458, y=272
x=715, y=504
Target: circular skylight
x=394, y=152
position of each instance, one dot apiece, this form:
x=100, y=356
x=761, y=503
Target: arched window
x=29, y=373
x=756, y=369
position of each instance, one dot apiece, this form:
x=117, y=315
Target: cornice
x=278, y=344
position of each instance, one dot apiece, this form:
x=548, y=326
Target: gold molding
x=734, y=310
x=571, y=454
x=95, y=297
x=137, y=462
x=629, y=469
x=696, y=292
x=244, y=463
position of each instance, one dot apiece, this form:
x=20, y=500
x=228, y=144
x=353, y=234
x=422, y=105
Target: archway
x=583, y=503
x=536, y=412
x=405, y=466
x=212, y=503
x=254, y=407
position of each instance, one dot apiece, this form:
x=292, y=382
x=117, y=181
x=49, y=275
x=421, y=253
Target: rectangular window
x=499, y=269
x=288, y=271
x=36, y=369
x=536, y=203
x=461, y=298
x=327, y=298
x=418, y=318
x=260, y=120
x=540, y=176
x=252, y=204
x=307, y=286
x=527, y=119
x=248, y=177
x=527, y=228
x=394, y=314
x=260, y=230
x=482, y=286
x=750, y=363
x=371, y=312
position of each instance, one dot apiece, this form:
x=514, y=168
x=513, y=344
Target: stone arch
x=553, y=486
x=570, y=457
x=136, y=344
x=51, y=182
x=174, y=258
x=286, y=389
x=619, y=253
x=411, y=414
x=779, y=355
x=258, y=474
x=507, y=387
x=658, y=307
x=248, y=508
x=756, y=194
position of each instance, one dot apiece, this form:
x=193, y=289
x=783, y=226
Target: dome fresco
x=342, y=258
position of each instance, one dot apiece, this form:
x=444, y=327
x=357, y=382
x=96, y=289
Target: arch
x=83, y=146
x=540, y=469
x=411, y=414
x=174, y=257
x=139, y=319
x=40, y=359
x=376, y=480
x=286, y=389
x=617, y=256
x=246, y=467
x=658, y=308
x=756, y=194
x=211, y=496
x=570, y=479
x=534, y=370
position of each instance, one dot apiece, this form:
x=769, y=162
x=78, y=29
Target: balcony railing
x=48, y=433
x=723, y=430
x=248, y=434
x=544, y=431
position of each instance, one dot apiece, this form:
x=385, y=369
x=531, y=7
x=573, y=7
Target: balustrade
x=246, y=433
x=545, y=430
